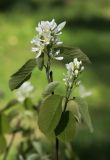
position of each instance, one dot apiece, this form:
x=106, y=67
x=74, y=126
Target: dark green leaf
x=4, y=124
x=40, y=61
x=50, y=113
x=83, y=108
x=65, y=131
x=22, y=75
x=50, y=88
x=2, y=144
x=70, y=53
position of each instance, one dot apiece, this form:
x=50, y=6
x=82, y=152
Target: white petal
x=57, y=34
x=33, y=41
x=34, y=49
x=76, y=72
x=82, y=68
x=75, y=60
x=38, y=29
x=56, y=54
x=38, y=55
x=59, y=58
x=53, y=24
x=59, y=43
x=61, y=26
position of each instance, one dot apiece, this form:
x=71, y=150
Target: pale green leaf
x=83, y=108
x=66, y=129
x=50, y=88
x=74, y=108
x=22, y=75
x=70, y=53
x=50, y=113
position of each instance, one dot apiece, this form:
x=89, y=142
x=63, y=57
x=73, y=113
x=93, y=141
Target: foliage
x=22, y=75
x=50, y=113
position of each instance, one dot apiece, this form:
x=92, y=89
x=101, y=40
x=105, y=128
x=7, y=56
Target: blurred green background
x=88, y=27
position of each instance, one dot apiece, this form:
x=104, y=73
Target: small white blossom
x=70, y=66
x=76, y=72
x=73, y=70
x=77, y=63
x=24, y=91
x=48, y=34
x=39, y=46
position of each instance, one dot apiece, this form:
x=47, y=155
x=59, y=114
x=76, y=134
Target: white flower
x=39, y=46
x=50, y=27
x=24, y=91
x=77, y=63
x=70, y=66
x=73, y=70
x=46, y=26
x=48, y=34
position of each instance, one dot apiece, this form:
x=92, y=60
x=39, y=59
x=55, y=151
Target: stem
x=69, y=89
x=57, y=149
x=10, y=143
x=49, y=75
x=9, y=146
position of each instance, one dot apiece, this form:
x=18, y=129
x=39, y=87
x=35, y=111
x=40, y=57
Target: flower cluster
x=48, y=37
x=24, y=91
x=73, y=70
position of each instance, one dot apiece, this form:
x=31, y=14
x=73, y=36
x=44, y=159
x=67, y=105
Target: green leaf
x=50, y=113
x=83, y=108
x=4, y=124
x=2, y=144
x=40, y=61
x=70, y=53
x=61, y=89
x=50, y=88
x=22, y=75
x=66, y=129
x=74, y=108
